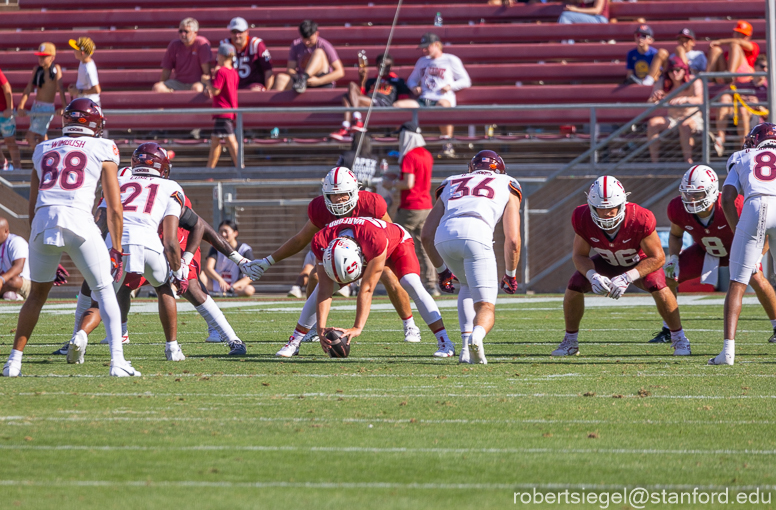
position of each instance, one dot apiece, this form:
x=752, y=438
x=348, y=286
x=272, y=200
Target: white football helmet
x=699, y=189
x=342, y=260
x=340, y=180
x=606, y=193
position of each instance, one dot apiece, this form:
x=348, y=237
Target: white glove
x=181, y=274
x=185, y=261
x=671, y=267
x=601, y=284
x=255, y=268
x=620, y=285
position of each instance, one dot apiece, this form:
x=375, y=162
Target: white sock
x=111, y=318
x=465, y=339
x=677, y=335
x=356, y=116
x=666, y=325
x=441, y=335
x=478, y=334
x=773, y=323
x=648, y=80
x=84, y=302
x=171, y=346
x=572, y=336
x=728, y=353
x=345, y=124
x=729, y=347
x=215, y=319
x=409, y=322
x=123, y=328
x=15, y=355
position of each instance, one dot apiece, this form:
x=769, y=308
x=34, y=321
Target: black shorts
x=223, y=127
x=327, y=86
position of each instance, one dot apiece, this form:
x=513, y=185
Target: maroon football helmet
x=83, y=117
x=759, y=134
x=151, y=159
x=487, y=160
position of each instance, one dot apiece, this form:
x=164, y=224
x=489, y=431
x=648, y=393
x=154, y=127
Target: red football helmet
x=83, y=117
x=759, y=135
x=151, y=159
x=487, y=160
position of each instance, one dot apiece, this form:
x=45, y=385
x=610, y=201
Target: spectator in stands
x=640, y=58
x=253, y=61
x=223, y=88
x=45, y=81
x=87, y=84
x=690, y=117
x=14, y=264
x=417, y=165
x=312, y=62
x=225, y=274
x=696, y=60
x=365, y=165
x=189, y=57
x=8, y=124
x=585, y=11
x=392, y=91
x=760, y=86
x=436, y=78
x=740, y=55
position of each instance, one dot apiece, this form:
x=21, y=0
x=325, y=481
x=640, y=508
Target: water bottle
x=274, y=133
x=383, y=166
x=438, y=19
x=362, y=60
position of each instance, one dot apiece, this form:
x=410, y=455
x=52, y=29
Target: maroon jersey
x=716, y=237
x=252, y=62
x=625, y=248
x=369, y=205
x=372, y=235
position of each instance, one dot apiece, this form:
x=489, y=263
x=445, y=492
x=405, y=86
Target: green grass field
x=390, y=427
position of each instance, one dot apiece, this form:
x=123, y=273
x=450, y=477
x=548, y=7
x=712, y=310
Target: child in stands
x=223, y=88
x=88, y=84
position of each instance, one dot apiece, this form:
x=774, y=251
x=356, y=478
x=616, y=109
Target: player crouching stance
x=62, y=192
x=628, y=251
x=698, y=211
x=751, y=172
x=352, y=248
x=459, y=234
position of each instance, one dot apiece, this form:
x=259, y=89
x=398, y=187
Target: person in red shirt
x=379, y=245
x=740, y=55
x=628, y=250
x=417, y=164
x=223, y=87
x=252, y=59
x=189, y=56
x=8, y=123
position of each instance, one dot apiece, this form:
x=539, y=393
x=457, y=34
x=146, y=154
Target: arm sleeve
x=212, y=254
x=630, y=64
x=3, y=79
x=461, y=77
x=188, y=219
x=219, y=79
x=380, y=206
x=18, y=249
x=175, y=204
x=264, y=56
x=671, y=212
x=319, y=244
x=204, y=53
x=312, y=212
x=374, y=243
x=575, y=217
x=515, y=189
x=408, y=163
x=649, y=222
x=331, y=53
x=91, y=72
x=414, y=79
x=111, y=152
x=441, y=188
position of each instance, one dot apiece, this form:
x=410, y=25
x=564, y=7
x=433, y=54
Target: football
x=339, y=347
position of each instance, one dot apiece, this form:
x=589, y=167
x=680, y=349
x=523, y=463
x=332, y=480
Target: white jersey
x=12, y=249
x=147, y=200
x=474, y=203
x=69, y=170
x=753, y=172
x=433, y=74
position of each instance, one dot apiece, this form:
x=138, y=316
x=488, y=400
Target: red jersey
x=372, y=235
x=369, y=205
x=252, y=62
x=226, y=80
x=716, y=237
x=625, y=248
x=420, y=162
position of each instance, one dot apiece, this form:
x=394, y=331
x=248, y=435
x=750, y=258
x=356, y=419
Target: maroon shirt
x=420, y=162
x=186, y=62
x=369, y=205
x=625, y=249
x=716, y=237
x=301, y=54
x=225, y=79
x=372, y=235
x=252, y=62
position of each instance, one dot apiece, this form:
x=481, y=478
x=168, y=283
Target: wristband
x=270, y=260
x=511, y=273
x=188, y=257
x=2, y=278
x=236, y=257
x=441, y=269
x=590, y=276
x=633, y=274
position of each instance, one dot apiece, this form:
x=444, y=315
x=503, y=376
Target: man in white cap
x=252, y=61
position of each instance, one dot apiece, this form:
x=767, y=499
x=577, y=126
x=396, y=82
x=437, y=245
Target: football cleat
x=295, y=292
x=358, y=126
x=343, y=135
x=237, y=349
x=300, y=83
x=567, y=348
x=12, y=369
x=311, y=336
x=123, y=369
x=174, y=354
x=124, y=339
x=446, y=348
x=661, y=337
x=412, y=334
x=477, y=352
x=464, y=356
x=62, y=351
x=77, y=348
x=290, y=349
x=344, y=291
x=772, y=339
x=213, y=336
x=681, y=347
x=724, y=358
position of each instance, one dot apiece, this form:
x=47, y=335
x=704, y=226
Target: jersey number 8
x=765, y=166
x=70, y=177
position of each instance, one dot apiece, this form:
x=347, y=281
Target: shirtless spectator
x=46, y=80
x=760, y=86
x=253, y=61
x=312, y=62
x=735, y=55
x=392, y=91
x=189, y=57
x=8, y=124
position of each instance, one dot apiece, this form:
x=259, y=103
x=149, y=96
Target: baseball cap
x=226, y=50
x=645, y=30
x=686, y=32
x=428, y=39
x=46, y=49
x=743, y=27
x=238, y=24
x=84, y=44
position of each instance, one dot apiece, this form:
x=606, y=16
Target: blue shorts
x=7, y=127
x=39, y=123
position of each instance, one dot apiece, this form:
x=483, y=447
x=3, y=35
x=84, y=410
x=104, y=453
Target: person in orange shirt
x=740, y=56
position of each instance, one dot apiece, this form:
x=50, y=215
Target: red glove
x=61, y=277
x=117, y=264
x=445, y=279
x=182, y=285
x=509, y=284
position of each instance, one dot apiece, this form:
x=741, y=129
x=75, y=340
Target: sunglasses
x=183, y=31
x=643, y=36
x=237, y=32
x=677, y=70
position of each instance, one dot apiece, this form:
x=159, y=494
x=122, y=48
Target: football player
x=63, y=183
x=459, y=234
x=698, y=211
x=628, y=250
x=350, y=248
x=341, y=198
x=751, y=172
